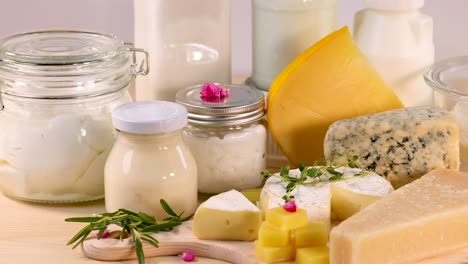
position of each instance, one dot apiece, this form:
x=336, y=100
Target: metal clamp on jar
x=58, y=90
x=227, y=138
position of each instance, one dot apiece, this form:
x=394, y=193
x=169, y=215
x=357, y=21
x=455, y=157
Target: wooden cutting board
x=182, y=239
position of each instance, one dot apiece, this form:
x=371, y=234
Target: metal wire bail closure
x=142, y=68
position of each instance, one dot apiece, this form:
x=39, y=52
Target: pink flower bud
x=290, y=206
x=213, y=93
x=104, y=235
x=187, y=256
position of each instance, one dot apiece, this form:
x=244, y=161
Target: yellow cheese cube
x=270, y=236
x=312, y=255
x=313, y=234
x=273, y=254
x=282, y=219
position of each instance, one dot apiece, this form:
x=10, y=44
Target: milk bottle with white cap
x=397, y=40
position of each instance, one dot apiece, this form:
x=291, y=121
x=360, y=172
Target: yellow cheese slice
x=425, y=218
x=330, y=81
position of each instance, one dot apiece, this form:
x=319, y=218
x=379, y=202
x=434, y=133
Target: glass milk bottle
x=397, y=40
x=282, y=29
x=149, y=160
x=189, y=42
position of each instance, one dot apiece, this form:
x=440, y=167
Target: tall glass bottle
x=283, y=29
x=189, y=42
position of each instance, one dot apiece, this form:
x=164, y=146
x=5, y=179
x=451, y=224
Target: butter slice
x=227, y=216
x=426, y=218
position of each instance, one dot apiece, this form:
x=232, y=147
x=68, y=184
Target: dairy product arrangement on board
x=376, y=182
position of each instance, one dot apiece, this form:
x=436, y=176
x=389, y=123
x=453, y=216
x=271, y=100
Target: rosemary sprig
x=314, y=173
x=139, y=226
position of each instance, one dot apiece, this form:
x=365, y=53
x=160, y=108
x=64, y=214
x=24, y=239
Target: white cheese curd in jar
x=57, y=91
x=227, y=137
x=229, y=159
x=57, y=153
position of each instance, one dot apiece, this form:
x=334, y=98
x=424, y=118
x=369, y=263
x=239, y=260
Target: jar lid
x=149, y=117
x=243, y=105
x=59, y=47
x=394, y=5
x=65, y=64
x=449, y=77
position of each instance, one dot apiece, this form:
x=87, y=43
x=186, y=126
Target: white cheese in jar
x=58, y=157
x=229, y=159
x=227, y=137
x=58, y=88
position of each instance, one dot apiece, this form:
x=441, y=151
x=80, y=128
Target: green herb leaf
x=83, y=219
x=139, y=225
x=167, y=208
x=301, y=166
x=265, y=174
x=285, y=171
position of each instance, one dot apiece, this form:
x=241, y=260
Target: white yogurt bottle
x=283, y=29
x=150, y=161
x=397, y=40
x=189, y=42
x=227, y=138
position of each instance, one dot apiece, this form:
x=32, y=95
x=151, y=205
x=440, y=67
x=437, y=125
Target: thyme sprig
x=139, y=226
x=311, y=173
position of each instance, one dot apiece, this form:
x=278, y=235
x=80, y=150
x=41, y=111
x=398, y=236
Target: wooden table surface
x=37, y=233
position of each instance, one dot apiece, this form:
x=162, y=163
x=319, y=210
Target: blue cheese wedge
x=354, y=191
x=401, y=145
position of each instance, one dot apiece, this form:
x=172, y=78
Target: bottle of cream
x=150, y=161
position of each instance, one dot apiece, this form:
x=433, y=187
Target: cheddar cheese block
x=426, y=218
x=400, y=145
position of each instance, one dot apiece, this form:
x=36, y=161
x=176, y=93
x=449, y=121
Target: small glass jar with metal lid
x=227, y=138
x=58, y=88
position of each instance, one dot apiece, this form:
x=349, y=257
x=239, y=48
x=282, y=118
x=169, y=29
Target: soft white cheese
x=227, y=216
x=315, y=197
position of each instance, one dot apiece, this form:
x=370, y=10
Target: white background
x=116, y=16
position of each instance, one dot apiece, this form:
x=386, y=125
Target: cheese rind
x=330, y=81
x=227, y=216
x=422, y=219
x=400, y=145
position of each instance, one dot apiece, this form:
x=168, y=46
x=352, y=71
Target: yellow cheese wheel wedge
x=330, y=81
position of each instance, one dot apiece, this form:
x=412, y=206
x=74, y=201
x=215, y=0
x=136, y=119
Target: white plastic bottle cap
x=394, y=5
x=149, y=117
